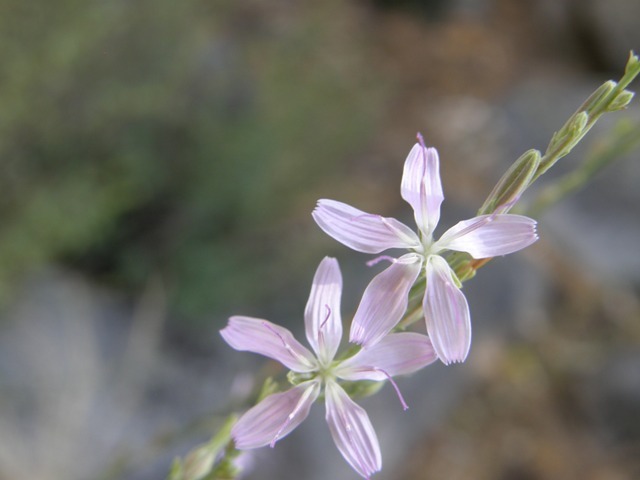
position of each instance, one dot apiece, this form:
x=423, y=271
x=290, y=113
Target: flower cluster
x=445, y=306
x=278, y=414
x=383, y=353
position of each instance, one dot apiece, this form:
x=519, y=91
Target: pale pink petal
x=395, y=354
x=446, y=312
x=490, y=235
x=322, y=314
x=275, y=416
x=421, y=186
x=362, y=231
x=352, y=431
x=385, y=300
x=268, y=339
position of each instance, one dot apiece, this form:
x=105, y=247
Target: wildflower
x=445, y=306
x=278, y=414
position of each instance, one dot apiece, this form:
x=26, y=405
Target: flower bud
x=198, y=463
x=633, y=63
x=621, y=101
x=596, y=98
x=362, y=388
x=201, y=461
x=512, y=184
x=576, y=124
x=570, y=133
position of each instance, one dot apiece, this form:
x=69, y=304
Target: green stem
x=626, y=138
x=213, y=460
x=609, y=97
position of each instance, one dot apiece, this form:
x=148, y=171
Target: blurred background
x=159, y=163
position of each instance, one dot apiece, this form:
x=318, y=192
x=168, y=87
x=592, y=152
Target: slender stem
x=603, y=100
x=625, y=138
x=609, y=97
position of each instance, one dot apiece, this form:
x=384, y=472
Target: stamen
x=275, y=332
x=379, y=259
x=405, y=407
x=321, y=343
x=285, y=344
x=326, y=318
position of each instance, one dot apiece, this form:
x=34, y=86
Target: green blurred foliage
x=156, y=137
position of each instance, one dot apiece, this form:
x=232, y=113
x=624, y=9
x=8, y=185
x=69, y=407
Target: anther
x=379, y=259
x=420, y=140
x=326, y=319
x=285, y=344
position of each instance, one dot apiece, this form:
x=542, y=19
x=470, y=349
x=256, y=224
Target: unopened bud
x=621, y=101
x=198, y=463
x=571, y=132
x=512, y=184
x=577, y=123
x=176, y=470
x=597, y=97
x=295, y=378
x=201, y=461
x=633, y=63
x=363, y=388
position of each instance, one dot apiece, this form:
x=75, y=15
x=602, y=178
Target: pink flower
x=278, y=414
x=445, y=306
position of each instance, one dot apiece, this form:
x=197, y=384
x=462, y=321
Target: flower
x=445, y=306
x=278, y=414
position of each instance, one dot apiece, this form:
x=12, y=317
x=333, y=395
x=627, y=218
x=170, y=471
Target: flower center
x=428, y=248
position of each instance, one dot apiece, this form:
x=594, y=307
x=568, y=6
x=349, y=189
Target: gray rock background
x=112, y=380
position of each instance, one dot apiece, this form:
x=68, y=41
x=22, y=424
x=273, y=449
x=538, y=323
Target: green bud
x=571, y=132
x=363, y=388
x=577, y=123
x=597, y=97
x=621, y=101
x=460, y=263
x=632, y=64
x=296, y=378
x=176, y=472
x=465, y=272
x=198, y=463
x=512, y=184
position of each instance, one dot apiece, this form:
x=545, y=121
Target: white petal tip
x=450, y=362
